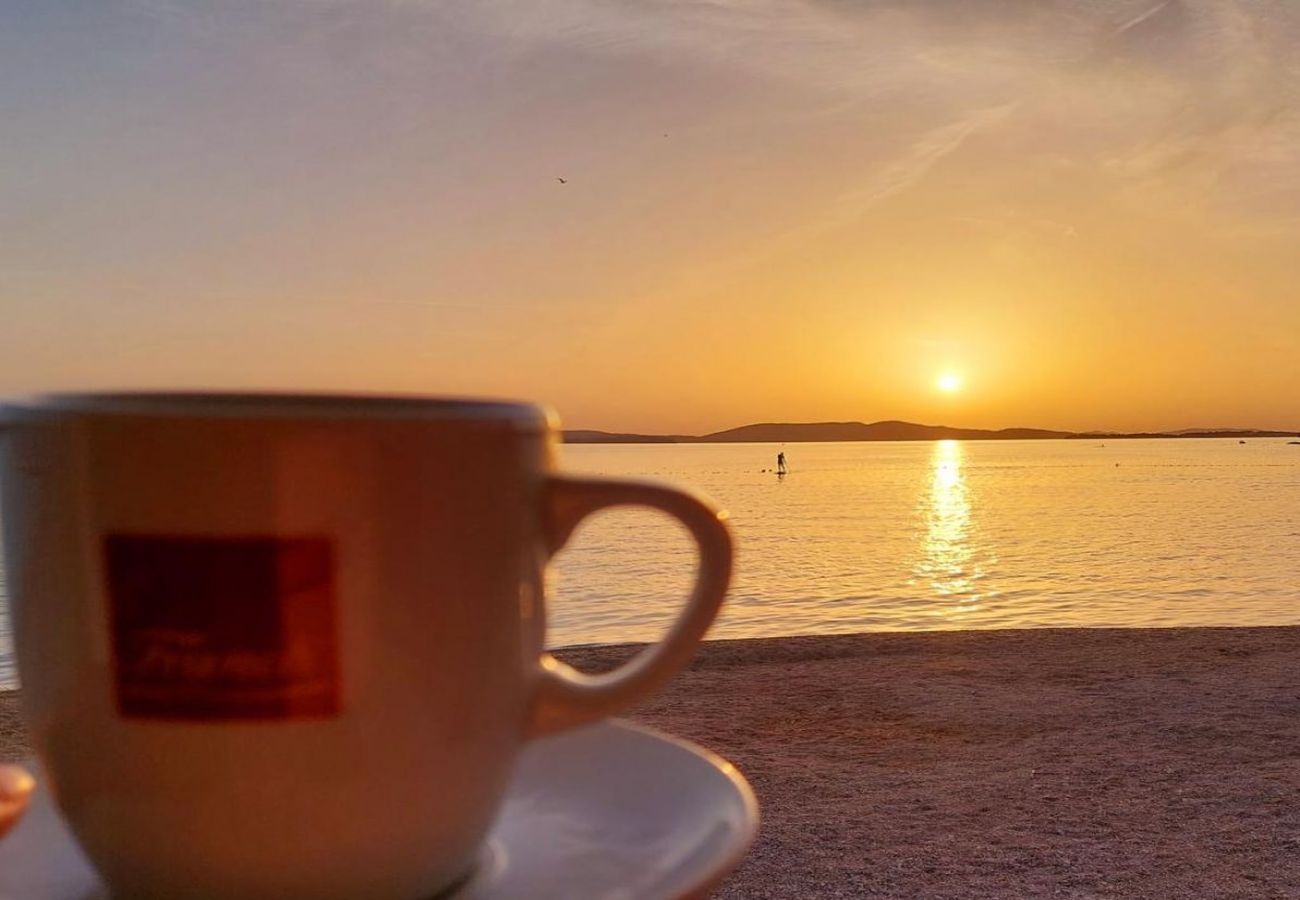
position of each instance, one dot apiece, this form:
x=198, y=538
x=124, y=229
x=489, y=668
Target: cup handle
x=566, y=698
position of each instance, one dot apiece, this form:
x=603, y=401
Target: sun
x=948, y=382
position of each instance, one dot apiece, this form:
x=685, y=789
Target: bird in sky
x=561, y=180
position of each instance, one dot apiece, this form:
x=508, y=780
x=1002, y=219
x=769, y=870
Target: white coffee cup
x=289, y=646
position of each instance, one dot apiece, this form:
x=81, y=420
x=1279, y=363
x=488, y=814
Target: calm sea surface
x=917, y=536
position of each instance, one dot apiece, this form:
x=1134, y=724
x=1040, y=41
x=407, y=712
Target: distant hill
x=797, y=432
x=875, y=431
x=1215, y=433
x=1183, y=432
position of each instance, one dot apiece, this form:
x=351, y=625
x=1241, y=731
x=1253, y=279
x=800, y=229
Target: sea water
x=943, y=535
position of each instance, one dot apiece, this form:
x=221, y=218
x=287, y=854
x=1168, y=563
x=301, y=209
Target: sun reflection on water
x=947, y=562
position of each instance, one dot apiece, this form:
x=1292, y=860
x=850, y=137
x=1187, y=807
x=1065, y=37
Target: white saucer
x=613, y=811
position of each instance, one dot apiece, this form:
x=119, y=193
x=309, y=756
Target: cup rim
x=281, y=405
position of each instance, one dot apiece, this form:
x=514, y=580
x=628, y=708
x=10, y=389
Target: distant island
x=796, y=432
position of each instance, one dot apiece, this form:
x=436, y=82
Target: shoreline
x=1069, y=762
x=625, y=650
x=603, y=647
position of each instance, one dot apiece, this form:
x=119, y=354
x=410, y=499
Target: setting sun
x=948, y=382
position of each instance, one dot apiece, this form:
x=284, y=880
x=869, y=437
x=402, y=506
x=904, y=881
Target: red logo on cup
x=223, y=628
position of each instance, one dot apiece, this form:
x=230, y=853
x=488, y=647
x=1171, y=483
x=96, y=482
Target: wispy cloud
x=1186, y=94
x=917, y=160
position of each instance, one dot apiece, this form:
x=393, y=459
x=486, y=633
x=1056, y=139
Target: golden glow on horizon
x=1061, y=216
x=949, y=382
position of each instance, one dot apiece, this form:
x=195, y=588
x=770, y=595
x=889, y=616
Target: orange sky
x=773, y=210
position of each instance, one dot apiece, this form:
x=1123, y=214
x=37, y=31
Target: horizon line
x=1225, y=431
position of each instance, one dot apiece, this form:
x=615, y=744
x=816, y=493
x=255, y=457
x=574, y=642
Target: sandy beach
x=1049, y=763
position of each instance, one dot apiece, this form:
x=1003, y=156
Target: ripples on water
x=984, y=534
x=916, y=536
